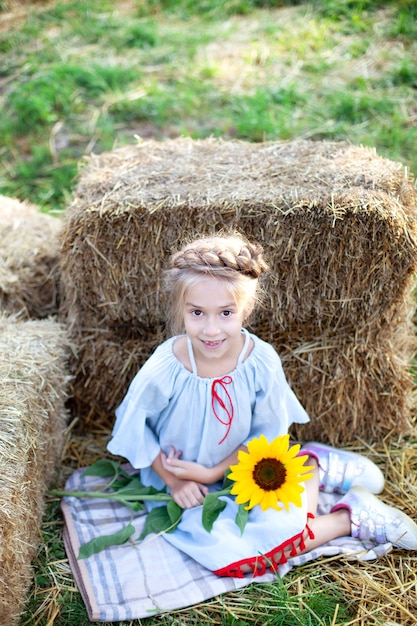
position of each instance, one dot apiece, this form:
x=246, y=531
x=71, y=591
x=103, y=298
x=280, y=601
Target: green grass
x=83, y=77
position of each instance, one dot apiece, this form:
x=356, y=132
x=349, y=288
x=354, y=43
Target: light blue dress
x=207, y=418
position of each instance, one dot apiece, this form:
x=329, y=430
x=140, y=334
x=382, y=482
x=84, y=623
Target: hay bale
x=29, y=277
x=338, y=224
x=33, y=384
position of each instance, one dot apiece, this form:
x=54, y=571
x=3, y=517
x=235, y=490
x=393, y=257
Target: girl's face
x=213, y=321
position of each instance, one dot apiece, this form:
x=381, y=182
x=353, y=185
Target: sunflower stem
x=161, y=497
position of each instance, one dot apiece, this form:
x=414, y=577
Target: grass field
x=84, y=76
x=79, y=77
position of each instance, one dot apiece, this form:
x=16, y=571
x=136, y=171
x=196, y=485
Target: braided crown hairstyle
x=229, y=258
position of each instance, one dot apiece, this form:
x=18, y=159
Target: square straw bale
x=338, y=224
x=33, y=389
x=29, y=268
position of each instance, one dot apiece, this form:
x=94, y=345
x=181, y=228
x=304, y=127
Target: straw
x=338, y=226
x=29, y=271
x=33, y=390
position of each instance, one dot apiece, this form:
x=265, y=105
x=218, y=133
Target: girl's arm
x=186, y=493
x=189, y=470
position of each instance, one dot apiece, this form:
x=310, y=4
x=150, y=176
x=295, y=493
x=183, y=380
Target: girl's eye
x=197, y=313
x=227, y=313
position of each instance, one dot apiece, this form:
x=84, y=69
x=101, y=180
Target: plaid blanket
x=140, y=579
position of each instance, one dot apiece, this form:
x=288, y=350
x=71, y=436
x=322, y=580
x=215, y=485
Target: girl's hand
x=185, y=470
x=187, y=493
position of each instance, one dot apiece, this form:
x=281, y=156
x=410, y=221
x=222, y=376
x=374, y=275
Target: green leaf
x=241, y=517
x=175, y=514
x=105, y=468
x=212, y=507
x=136, y=506
x=118, y=483
x=157, y=521
x=134, y=487
x=106, y=541
x=227, y=483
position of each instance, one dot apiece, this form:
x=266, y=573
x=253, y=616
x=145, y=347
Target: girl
x=211, y=388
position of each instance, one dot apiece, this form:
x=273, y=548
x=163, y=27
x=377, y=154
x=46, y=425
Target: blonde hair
x=225, y=257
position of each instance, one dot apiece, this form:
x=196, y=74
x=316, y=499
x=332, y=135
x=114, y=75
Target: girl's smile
x=213, y=344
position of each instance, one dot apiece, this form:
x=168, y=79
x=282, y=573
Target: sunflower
x=269, y=473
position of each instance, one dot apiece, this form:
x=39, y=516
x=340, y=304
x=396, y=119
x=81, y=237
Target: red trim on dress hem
x=259, y=564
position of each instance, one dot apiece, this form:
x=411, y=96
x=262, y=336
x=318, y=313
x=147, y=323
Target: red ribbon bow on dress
x=225, y=405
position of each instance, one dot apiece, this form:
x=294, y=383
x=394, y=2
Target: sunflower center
x=269, y=474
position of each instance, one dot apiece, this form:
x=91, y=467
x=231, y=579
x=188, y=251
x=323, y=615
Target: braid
x=218, y=255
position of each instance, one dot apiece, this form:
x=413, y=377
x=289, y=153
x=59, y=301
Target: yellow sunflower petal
x=256, y=447
x=256, y=497
x=270, y=502
x=241, y=494
x=240, y=472
x=241, y=499
x=242, y=456
x=291, y=495
x=294, y=450
x=279, y=446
